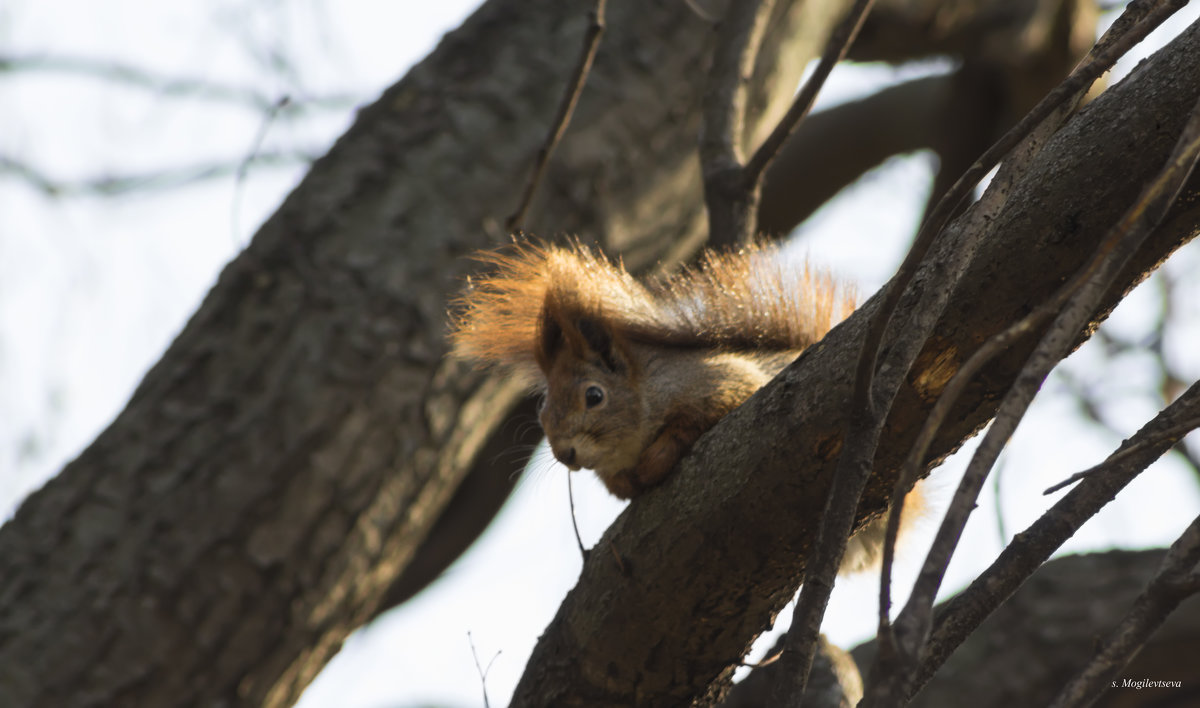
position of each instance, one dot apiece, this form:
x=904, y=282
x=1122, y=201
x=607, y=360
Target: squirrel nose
x=567, y=457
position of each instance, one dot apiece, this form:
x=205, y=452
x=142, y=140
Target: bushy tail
x=754, y=298
x=496, y=320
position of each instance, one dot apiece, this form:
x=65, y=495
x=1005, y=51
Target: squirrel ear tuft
x=598, y=338
x=585, y=337
x=550, y=340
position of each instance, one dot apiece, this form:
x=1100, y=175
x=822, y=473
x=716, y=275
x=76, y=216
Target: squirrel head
x=592, y=412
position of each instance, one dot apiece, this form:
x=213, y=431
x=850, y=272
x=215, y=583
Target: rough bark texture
x=712, y=555
x=272, y=475
x=1025, y=653
x=1008, y=55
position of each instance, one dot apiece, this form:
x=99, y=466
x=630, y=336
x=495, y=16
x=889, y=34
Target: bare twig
x=963, y=613
x=1139, y=19
x=170, y=178
x=239, y=177
x=835, y=50
x=1176, y=580
x=163, y=86
x=1172, y=381
x=1170, y=435
x=732, y=201
x=566, y=108
x=912, y=626
x=1029, y=135
x=574, y=524
x=483, y=672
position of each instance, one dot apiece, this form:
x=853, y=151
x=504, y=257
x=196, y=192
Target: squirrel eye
x=593, y=396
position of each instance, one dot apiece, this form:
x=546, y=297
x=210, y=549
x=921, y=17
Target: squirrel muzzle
x=566, y=456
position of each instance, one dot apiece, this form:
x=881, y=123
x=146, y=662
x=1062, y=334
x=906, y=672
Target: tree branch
x=167, y=86
x=591, y=42
x=1078, y=301
x=1178, y=578
x=731, y=201
x=724, y=541
x=958, y=617
x=163, y=179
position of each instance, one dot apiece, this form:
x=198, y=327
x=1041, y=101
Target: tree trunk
x=272, y=476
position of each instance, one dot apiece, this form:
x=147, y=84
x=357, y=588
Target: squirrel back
x=634, y=372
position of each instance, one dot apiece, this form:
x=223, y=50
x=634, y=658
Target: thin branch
x=1172, y=382
x=1176, y=581
x=1170, y=435
x=732, y=201
x=239, y=177
x=1138, y=20
x=163, y=86
x=854, y=469
x=1026, y=138
x=170, y=178
x=962, y=614
x=1088, y=286
x=566, y=108
x=483, y=672
x=835, y=50
x=583, y=552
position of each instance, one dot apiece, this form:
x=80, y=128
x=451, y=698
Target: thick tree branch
x=1022, y=654
x=730, y=201
x=957, y=618
x=716, y=551
x=274, y=474
x=1178, y=579
x=1074, y=305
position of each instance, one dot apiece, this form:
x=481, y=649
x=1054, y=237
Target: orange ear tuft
x=533, y=299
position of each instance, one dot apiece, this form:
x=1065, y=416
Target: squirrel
x=633, y=373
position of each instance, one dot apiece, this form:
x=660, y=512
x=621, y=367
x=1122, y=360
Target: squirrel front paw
x=661, y=456
x=623, y=484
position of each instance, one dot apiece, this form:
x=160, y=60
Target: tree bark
x=273, y=475
x=274, y=472
x=1023, y=654
x=709, y=558
x=1040, y=637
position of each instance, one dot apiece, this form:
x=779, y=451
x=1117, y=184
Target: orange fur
x=749, y=299
x=633, y=373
